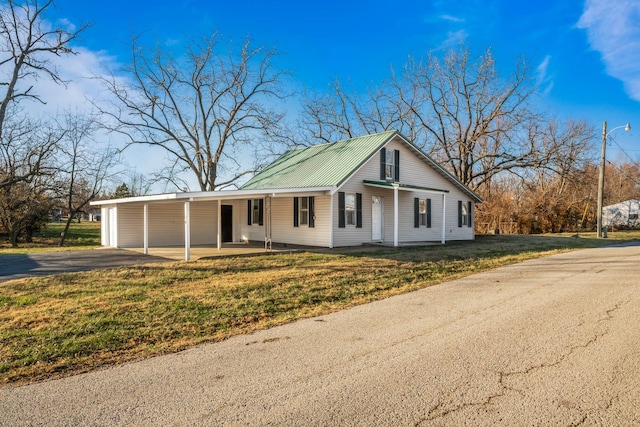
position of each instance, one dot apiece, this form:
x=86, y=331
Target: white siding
x=204, y=222
x=130, y=226
x=413, y=171
x=283, y=231
x=166, y=224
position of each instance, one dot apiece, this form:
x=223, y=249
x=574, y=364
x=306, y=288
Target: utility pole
x=601, y=180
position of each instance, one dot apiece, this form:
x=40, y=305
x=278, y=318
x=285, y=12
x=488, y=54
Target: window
x=465, y=214
x=388, y=166
x=350, y=209
x=422, y=212
x=255, y=212
x=304, y=211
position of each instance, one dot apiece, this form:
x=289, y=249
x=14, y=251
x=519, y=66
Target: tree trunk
x=63, y=235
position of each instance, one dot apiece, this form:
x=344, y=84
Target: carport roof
x=217, y=195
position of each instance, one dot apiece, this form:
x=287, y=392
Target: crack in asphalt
x=440, y=409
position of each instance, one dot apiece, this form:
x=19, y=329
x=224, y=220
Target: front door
x=377, y=219
x=226, y=222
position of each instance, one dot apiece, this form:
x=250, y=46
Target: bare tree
x=27, y=45
x=457, y=109
x=205, y=110
x=83, y=166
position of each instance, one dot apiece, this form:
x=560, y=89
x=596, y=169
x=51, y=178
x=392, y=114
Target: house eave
x=219, y=195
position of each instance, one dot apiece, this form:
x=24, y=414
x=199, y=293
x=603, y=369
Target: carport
x=191, y=223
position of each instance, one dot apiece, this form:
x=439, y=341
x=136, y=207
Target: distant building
x=622, y=215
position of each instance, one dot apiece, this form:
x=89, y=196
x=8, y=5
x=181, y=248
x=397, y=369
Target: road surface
x=552, y=341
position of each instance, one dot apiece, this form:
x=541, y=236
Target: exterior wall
x=204, y=222
x=131, y=226
x=413, y=171
x=283, y=231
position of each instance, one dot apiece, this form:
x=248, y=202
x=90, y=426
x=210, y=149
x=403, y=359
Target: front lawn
x=84, y=235
x=61, y=325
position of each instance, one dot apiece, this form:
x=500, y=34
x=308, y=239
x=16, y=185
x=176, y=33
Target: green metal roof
x=324, y=165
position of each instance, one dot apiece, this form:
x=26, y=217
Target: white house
x=376, y=188
x=623, y=215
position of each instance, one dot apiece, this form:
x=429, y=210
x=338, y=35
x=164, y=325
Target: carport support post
x=187, y=231
x=146, y=229
x=219, y=242
x=444, y=217
x=395, y=216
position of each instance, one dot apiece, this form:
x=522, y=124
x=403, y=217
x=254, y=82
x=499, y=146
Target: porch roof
x=406, y=187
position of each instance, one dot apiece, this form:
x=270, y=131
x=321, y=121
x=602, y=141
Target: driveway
x=552, y=341
x=47, y=263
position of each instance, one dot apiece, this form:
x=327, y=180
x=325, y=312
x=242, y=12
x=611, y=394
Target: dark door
x=226, y=219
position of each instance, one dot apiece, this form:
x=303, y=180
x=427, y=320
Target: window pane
x=423, y=219
x=389, y=172
x=423, y=206
x=350, y=217
x=304, y=217
x=304, y=202
x=390, y=157
x=350, y=202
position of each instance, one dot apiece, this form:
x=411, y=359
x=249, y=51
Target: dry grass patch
x=59, y=325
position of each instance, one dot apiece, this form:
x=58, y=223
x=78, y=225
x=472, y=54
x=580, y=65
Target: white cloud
x=451, y=18
x=613, y=30
x=543, y=78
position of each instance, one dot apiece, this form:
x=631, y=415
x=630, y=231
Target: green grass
x=62, y=325
x=85, y=235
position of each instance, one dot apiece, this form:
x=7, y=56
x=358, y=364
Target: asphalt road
x=19, y=266
x=553, y=341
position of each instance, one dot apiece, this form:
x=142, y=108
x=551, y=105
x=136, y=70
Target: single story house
x=376, y=188
x=622, y=215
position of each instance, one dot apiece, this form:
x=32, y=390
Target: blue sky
x=584, y=53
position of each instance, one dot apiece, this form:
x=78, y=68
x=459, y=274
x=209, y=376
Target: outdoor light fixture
x=627, y=128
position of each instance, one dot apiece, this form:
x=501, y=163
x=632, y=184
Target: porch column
x=395, y=216
x=187, y=231
x=145, y=232
x=219, y=242
x=444, y=218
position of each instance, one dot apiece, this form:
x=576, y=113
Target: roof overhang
x=219, y=195
x=404, y=187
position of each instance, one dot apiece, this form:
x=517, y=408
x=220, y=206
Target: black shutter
x=341, y=209
x=296, y=221
x=429, y=213
x=416, y=212
x=261, y=212
x=249, y=212
x=396, y=162
x=312, y=220
x=459, y=213
x=358, y=210
x=383, y=164
x=469, y=215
